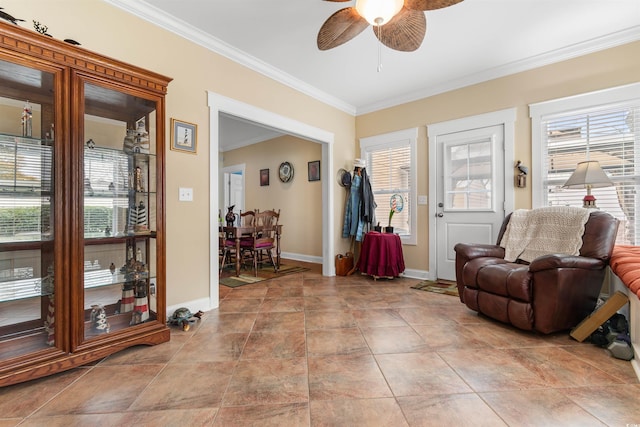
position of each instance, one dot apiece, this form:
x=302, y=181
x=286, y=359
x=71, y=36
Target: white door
x=233, y=191
x=470, y=191
x=236, y=191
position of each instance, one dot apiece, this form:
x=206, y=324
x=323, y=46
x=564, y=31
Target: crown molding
x=618, y=38
x=151, y=14
x=170, y=23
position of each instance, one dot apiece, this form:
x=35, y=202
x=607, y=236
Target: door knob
x=439, y=214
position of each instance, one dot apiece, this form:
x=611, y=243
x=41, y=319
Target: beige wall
x=613, y=67
x=299, y=201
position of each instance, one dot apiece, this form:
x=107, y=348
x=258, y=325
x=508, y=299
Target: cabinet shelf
x=101, y=239
x=99, y=278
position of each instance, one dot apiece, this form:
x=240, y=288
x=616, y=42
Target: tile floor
x=305, y=350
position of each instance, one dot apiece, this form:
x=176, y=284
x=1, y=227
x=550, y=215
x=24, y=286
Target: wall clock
x=285, y=172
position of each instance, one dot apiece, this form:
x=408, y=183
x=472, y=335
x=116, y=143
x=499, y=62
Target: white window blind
x=389, y=170
x=609, y=134
x=391, y=167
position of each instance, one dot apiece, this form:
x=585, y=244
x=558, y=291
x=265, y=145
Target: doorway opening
x=218, y=105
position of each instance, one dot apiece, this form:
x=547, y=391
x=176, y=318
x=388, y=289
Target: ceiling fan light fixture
x=378, y=12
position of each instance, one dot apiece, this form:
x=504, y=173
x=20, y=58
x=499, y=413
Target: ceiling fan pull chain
x=379, y=49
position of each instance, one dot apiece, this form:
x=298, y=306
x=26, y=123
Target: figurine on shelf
x=140, y=307
x=137, y=140
x=141, y=218
x=49, y=324
x=139, y=185
x=128, y=298
x=27, y=120
x=47, y=288
x=112, y=268
x=133, y=218
x=99, y=319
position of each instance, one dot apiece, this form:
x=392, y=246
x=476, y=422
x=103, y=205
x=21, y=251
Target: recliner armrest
x=476, y=250
x=554, y=261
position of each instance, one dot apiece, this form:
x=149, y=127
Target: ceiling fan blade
x=404, y=32
x=341, y=27
x=428, y=4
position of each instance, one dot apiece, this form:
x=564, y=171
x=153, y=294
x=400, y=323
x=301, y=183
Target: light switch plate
x=423, y=200
x=185, y=194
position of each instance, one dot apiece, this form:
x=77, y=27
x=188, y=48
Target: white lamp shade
x=588, y=175
x=378, y=12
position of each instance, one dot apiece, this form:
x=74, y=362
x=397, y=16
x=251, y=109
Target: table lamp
x=588, y=175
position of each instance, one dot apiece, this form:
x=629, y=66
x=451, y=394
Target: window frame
x=583, y=103
x=397, y=139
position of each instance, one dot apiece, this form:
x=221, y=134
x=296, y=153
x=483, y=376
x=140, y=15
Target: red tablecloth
x=381, y=255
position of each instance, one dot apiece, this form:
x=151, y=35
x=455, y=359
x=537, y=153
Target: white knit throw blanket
x=551, y=230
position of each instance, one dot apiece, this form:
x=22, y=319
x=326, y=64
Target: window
x=391, y=166
x=602, y=126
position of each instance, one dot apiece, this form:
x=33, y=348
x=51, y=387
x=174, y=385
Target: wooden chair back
x=247, y=219
x=267, y=218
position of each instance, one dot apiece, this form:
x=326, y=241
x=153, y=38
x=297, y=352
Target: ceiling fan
x=398, y=24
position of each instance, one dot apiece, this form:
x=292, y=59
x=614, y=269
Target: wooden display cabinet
x=82, y=246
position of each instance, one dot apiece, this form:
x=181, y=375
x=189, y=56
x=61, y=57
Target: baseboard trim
x=194, y=306
x=301, y=257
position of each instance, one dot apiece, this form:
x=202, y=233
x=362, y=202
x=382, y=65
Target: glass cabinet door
x=27, y=305
x=119, y=194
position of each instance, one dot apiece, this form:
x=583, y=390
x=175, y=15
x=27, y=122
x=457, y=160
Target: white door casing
x=471, y=186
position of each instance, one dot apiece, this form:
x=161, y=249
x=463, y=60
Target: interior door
x=233, y=191
x=470, y=191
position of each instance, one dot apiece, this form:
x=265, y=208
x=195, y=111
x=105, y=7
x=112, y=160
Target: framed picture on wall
x=313, y=170
x=264, y=177
x=184, y=136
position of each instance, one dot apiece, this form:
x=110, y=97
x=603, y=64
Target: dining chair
x=264, y=238
x=228, y=243
x=268, y=217
x=247, y=218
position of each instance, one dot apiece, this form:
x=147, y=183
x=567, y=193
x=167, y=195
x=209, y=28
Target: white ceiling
x=470, y=42
x=467, y=43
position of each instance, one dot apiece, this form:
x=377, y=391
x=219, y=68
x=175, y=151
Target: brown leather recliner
x=552, y=293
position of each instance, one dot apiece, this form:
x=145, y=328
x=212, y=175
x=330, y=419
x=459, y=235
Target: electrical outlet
x=185, y=194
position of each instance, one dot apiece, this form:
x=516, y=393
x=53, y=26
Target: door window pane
x=468, y=176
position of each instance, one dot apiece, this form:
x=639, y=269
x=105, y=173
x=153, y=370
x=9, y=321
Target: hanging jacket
x=367, y=202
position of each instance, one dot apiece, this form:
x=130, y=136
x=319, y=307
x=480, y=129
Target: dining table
x=239, y=232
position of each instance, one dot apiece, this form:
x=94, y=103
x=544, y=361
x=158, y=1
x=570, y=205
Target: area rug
x=264, y=273
x=445, y=287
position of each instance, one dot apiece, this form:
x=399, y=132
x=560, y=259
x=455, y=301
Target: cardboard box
x=598, y=317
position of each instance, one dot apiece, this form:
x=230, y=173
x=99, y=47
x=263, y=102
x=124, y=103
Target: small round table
x=381, y=255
